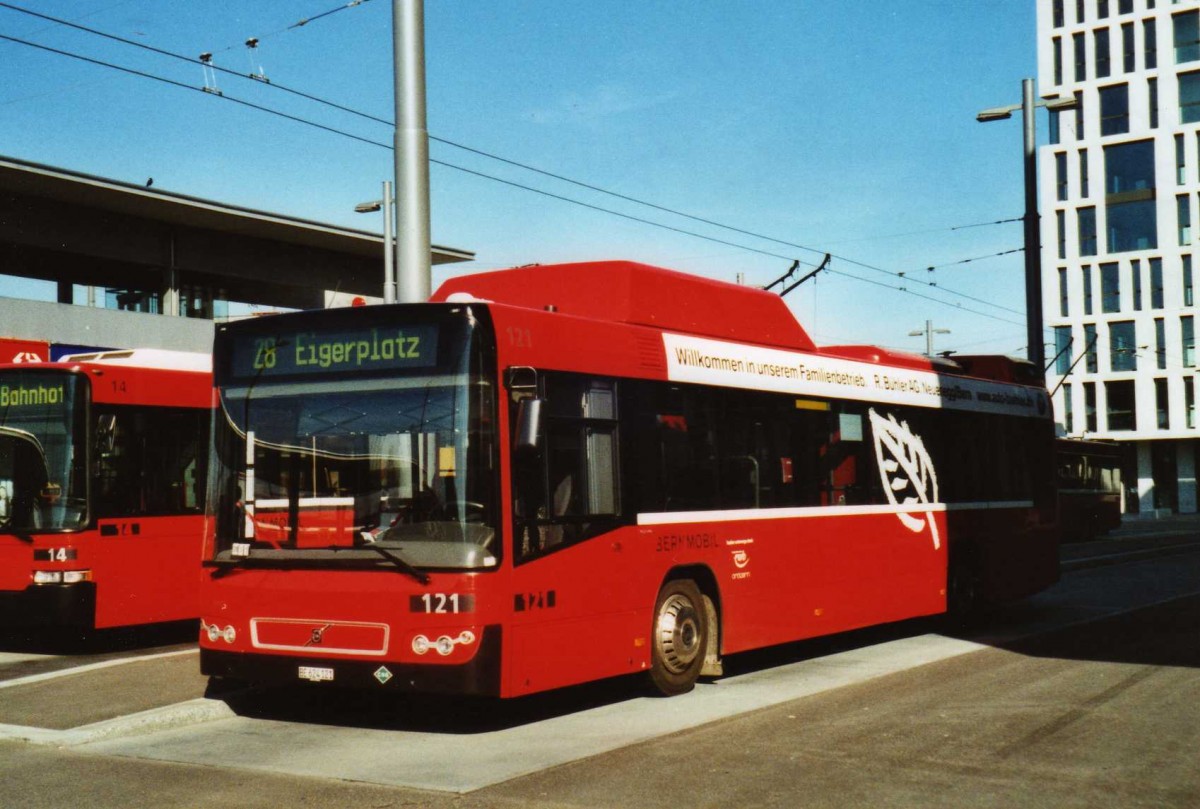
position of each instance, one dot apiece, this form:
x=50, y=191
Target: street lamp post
x=1033, y=239
x=928, y=331
x=389, y=266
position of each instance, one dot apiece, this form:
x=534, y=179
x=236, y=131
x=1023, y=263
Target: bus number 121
x=441, y=603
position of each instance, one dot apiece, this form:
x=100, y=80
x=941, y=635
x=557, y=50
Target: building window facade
x=1129, y=196
x=1122, y=346
x=1187, y=330
x=1121, y=411
x=1150, y=44
x=1189, y=97
x=1160, y=343
x=1114, y=109
x=1186, y=29
x=1102, y=53
x=1087, y=231
x=1156, y=283
x=1062, y=350
x=1110, y=287
x=1135, y=274
x=1162, y=403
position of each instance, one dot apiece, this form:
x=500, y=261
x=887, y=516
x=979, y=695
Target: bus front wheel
x=680, y=637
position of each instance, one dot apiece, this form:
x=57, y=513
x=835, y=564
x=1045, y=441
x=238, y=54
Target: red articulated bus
x=102, y=484
x=1089, y=487
x=550, y=475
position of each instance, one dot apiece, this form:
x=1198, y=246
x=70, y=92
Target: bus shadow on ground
x=99, y=642
x=1162, y=634
x=426, y=713
x=314, y=704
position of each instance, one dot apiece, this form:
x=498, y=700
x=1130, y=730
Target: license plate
x=316, y=674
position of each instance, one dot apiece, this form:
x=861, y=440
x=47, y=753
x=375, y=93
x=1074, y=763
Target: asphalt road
x=1100, y=713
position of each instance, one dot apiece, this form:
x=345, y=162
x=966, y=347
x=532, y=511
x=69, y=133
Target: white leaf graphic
x=906, y=471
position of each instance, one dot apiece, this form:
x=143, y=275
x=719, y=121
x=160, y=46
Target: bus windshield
x=325, y=455
x=43, y=481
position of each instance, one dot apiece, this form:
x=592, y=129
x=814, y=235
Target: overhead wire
x=303, y=22
x=336, y=131
x=489, y=155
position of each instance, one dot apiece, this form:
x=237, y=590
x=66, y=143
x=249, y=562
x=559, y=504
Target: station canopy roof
x=62, y=226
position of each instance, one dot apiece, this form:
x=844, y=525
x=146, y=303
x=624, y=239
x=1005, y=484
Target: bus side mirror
x=527, y=442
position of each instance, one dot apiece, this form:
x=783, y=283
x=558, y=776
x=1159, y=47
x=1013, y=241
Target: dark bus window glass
x=43, y=457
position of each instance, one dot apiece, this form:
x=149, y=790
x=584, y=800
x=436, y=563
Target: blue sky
x=846, y=127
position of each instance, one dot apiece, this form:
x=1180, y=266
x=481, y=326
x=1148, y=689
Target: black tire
x=679, y=637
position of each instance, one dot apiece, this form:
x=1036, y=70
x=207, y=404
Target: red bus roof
x=628, y=292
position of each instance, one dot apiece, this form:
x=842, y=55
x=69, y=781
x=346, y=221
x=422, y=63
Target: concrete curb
x=180, y=714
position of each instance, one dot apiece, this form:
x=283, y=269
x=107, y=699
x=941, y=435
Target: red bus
x=1089, y=487
x=555, y=474
x=102, y=483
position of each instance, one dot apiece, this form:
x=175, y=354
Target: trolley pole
x=412, y=153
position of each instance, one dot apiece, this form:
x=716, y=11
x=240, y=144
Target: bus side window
x=149, y=461
x=561, y=494
x=845, y=461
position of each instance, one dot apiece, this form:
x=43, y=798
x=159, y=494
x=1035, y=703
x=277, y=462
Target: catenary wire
x=471, y=149
x=641, y=220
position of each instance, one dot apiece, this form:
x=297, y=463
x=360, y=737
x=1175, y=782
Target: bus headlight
x=61, y=576
x=216, y=633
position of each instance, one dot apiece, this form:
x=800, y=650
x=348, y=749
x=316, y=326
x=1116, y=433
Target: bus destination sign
x=304, y=353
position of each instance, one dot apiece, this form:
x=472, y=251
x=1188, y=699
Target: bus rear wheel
x=680, y=637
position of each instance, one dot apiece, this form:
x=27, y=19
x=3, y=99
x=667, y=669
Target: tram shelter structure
x=153, y=268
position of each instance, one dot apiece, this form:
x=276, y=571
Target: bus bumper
x=71, y=606
x=479, y=676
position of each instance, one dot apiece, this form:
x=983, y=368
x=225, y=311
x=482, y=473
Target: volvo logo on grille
x=317, y=635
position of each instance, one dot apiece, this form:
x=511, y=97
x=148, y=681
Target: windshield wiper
x=399, y=561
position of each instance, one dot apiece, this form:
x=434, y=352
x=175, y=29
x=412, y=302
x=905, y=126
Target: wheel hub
x=677, y=633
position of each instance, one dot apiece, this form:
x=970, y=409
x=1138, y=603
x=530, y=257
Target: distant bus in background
x=1089, y=487
x=102, y=470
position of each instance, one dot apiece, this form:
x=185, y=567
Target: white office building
x=1120, y=198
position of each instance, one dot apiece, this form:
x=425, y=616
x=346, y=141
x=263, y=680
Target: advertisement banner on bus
x=715, y=362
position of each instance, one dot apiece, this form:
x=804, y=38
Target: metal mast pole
x=389, y=251
x=412, y=153
x=1033, y=240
